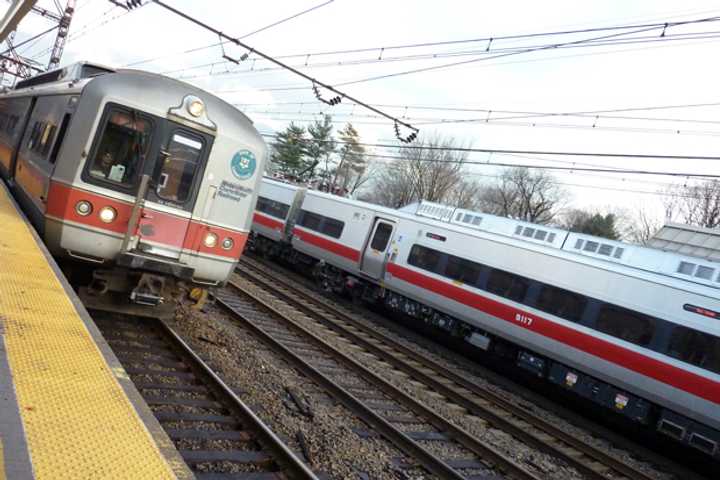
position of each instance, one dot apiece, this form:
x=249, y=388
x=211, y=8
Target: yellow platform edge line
x=77, y=419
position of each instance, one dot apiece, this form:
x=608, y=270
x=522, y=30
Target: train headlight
x=228, y=243
x=196, y=107
x=210, y=240
x=108, y=214
x=83, y=208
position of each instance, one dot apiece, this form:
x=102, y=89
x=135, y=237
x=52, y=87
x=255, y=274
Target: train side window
x=310, y=220
x=382, y=237
x=561, y=303
x=694, y=347
x=626, y=325
x=124, y=141
x=507, y=285
x=272, y=207
x=60, y=138
x=425, y=258
x=35, y=135
x=179, y=165
x=462, y=270
x=332, y=227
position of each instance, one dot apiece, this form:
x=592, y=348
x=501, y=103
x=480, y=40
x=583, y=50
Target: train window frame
x=188, y=136
x=417, y=250
x=332, y=227
x=129, y=188
x=550, y=308
x=273, y=207
x=511, y=294
x=655, y=324
x=384, y=237
x=689, y=354
x=463, y=265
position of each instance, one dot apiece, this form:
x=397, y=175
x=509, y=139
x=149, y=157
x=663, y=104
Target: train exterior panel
x=275, y=201
x=626, y=326
x=132, y=170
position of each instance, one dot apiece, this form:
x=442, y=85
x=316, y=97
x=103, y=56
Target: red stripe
x=325, y=244
x=168, y=229
x=612, y=352
x=267, y=221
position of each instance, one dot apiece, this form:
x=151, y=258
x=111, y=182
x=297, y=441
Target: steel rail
x=577, y=457
x=409, y=446
x=291, y=466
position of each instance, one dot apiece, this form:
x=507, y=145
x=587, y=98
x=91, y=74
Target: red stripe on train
x=329, y=245
x=268, y=222
x=637, y=362
x=168, y=229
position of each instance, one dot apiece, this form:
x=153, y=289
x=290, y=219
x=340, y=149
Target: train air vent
x=540, y=235
x=528, y=232
x=579, y=243
x=591, y=246
x=671, y=428
x=605, y=249
x=704, y=272
x=703, y=443
x=518, y=230
x=467, y=218
x=476, y=220
x=618, y=252
x=686, y=268
x=551, y=237
x=459, y=216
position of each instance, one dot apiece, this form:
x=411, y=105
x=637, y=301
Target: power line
x=212, y=45
x=314, y=81
x=431, y=56
x=532, y=152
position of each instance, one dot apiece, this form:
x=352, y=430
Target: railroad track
x=502, y=414
x=427, y=440
x=216, y=434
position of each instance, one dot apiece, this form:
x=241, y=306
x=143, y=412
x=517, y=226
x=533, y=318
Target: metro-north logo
x=243, y=164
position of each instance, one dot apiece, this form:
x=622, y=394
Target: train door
x=175, y=174
x=375, y=254
x=38, y=153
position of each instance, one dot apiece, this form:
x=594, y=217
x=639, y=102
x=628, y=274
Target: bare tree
x=530, y=195
x=642, y=226
x=432, y=171
x=696, y=203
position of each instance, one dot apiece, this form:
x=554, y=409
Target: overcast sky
x=669, y=72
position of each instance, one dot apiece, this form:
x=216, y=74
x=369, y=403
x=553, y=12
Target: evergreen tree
x=321, y=146
x=596, y=224
x=353, y=164
x=289, y=151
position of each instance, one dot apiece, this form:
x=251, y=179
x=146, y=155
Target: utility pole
x=17, y=66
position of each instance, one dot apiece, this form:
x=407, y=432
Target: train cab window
x=179, y=163
x=123, y=143
x=462, y=270
x=626, y=325
x=561, y=303
x=696, y=348
x=507, y=285
x=425, y=258
x=382, y=237
x=273, y=208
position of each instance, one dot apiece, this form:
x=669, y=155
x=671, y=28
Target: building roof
x=688, y=240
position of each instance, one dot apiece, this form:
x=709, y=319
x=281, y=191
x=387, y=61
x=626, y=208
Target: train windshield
x=123, y=145
x=178, y=166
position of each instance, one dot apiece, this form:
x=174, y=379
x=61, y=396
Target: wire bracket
x=332, y=102
x=408, y=139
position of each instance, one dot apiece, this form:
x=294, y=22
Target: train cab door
x=175, y=172
x=376, y=251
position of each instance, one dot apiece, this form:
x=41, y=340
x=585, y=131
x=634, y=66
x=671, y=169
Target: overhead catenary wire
x=315, y=82
x=216, y=44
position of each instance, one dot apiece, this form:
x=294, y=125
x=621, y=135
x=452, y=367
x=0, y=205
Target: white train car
x=633, y=329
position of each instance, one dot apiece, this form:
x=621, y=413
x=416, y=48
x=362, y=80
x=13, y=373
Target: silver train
x=144, y=178
x=634, y=329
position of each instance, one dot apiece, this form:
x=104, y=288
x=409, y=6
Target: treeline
x=438, y=171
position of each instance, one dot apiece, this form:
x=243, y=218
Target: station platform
x=67, y=408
